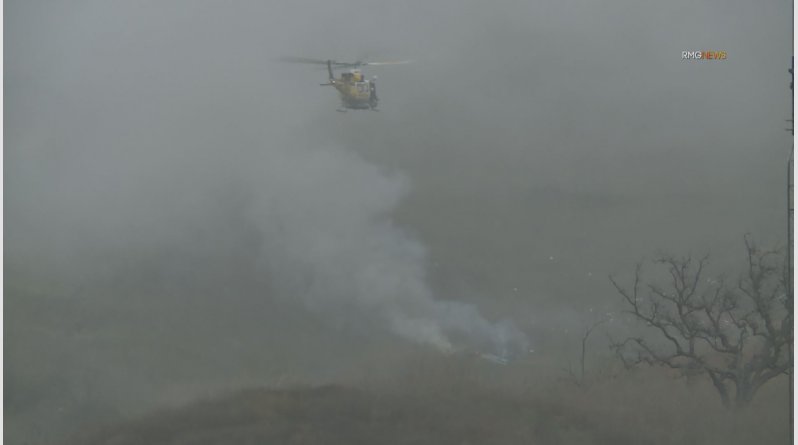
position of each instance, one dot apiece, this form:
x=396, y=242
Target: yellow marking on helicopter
x=356, y=92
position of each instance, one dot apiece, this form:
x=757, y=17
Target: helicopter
x=357, y=93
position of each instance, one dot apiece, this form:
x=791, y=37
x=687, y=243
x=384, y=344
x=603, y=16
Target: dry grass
x=464, y=401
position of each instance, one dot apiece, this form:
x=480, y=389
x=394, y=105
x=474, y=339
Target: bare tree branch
x=739, y=337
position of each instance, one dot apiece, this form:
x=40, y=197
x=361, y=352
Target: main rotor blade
x=304, y=60
x=357, y=64
x=398, y=62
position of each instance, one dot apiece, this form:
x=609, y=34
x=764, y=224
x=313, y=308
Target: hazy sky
x=166, y=173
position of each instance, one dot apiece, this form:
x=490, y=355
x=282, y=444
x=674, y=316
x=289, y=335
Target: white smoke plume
x=316, y=225
x=330, y=243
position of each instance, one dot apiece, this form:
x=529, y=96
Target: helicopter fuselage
x=356, y=92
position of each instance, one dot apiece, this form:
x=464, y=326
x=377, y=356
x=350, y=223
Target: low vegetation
x=480, y=403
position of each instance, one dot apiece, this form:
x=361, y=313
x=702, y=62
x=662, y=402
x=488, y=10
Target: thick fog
x=184, y=212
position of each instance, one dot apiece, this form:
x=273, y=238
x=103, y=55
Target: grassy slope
x=632, y=410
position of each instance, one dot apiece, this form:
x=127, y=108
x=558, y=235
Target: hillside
x=455, y=414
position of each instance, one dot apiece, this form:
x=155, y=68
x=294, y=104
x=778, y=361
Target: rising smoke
x=330, y=243
x=316, y=223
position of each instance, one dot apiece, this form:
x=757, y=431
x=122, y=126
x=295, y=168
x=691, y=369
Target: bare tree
x=739, y=335
x=580, y=379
